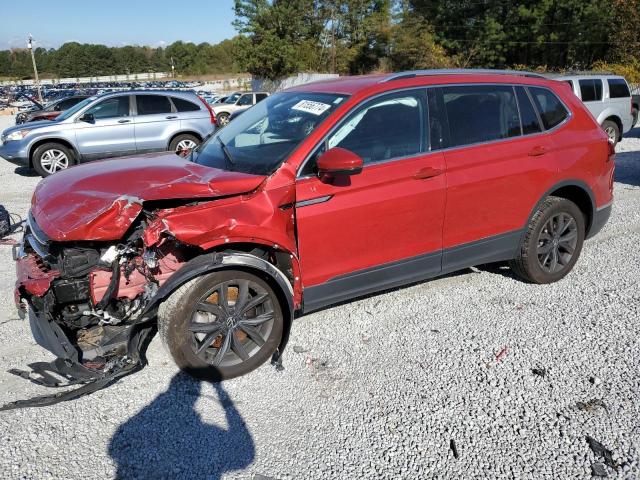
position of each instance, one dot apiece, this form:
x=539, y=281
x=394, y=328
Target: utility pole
x=173, y=69
x=35, y=69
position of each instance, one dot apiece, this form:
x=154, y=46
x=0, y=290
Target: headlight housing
x=17, y=135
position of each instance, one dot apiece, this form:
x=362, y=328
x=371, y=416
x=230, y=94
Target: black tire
x=223, y=119
x=175, y=321
x=612, y=130
x=540, y=237
x=183, y=144
x=43, y=158
x=634, y=115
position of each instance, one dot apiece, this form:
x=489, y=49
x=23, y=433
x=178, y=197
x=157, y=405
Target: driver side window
x=387, y=127
x=110, y=108
x=246, y=99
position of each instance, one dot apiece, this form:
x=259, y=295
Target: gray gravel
x=516, y=375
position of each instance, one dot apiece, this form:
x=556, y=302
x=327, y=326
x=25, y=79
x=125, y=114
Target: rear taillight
x=211, y=114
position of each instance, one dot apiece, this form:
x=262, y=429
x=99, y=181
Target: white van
x=608, y=99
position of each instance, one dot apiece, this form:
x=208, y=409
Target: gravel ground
x=516, y=376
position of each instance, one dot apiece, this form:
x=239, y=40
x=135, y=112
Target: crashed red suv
x=318, y=194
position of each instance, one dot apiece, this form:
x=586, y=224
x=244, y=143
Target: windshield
x=260, y=139
x=76, y=108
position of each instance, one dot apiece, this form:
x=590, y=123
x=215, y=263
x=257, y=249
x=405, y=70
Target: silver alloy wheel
x=557, y=242
x=185, y=146
x=54, y=160
x=611, y=133
x=223, y=119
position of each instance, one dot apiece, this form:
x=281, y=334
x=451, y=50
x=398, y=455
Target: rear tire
x=552, y=242
x=52, y=157
x=183, y=144
x=634, y=115
x=210, y=343
x=612, y=130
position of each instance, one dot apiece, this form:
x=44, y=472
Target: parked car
x=235, y=102
x=608, y=99
x=317, y=195
x=49, y=111
x=110, y=125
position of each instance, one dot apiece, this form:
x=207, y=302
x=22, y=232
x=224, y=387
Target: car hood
x=99, y=201
x=28, y=126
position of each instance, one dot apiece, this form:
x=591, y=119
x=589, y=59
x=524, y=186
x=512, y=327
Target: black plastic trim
x=600, y=218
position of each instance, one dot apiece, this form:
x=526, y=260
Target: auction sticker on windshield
x=315, y=108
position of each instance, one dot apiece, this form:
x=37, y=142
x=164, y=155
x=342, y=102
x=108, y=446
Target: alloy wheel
x=557, y=242
x=185, y=146
x=611, y=133
x=54, y=160
x=231, y=323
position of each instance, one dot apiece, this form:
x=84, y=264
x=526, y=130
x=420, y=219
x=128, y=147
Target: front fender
x=214, y=261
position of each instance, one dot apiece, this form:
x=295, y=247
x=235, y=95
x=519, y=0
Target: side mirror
x=87, y=117
x=339, y=161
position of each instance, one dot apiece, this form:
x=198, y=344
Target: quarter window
x=111, y=108
x=184, y=105
x=481, y=113
x=528, y=115
x=388, y=127
x=552, y=111
x=591, y=90
x=618, y=88
x=152, y=104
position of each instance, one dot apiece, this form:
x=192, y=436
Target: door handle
x=171, y=117
x=427, y=172
x=124, y=121
x=537, y=151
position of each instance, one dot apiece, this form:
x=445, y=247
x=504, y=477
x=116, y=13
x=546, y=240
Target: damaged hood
x=100, y=200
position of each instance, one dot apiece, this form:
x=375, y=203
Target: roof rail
x=457, y=71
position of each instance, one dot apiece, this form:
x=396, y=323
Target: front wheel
x=50, y=158
x=552, y=242
x=221, y=325
x=223, y=119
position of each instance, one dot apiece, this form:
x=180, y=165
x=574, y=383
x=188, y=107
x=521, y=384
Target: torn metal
x=93, y=269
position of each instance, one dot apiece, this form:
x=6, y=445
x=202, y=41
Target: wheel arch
x=42, y=141
x=230, y=260
x=576, y=191
x=618, y=121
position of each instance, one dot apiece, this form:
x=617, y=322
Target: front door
x=383, y=226
x=109, y=133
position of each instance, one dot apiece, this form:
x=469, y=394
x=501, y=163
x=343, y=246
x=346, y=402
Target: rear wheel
x=634, y=115
x=612, y=130
x=221, y=325
x=50, y=158
x=183, y=144
x=552, y=242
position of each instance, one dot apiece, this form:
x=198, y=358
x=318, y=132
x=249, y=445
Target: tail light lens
x=211, y=114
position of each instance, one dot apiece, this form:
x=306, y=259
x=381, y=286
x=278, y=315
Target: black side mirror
x=88, y=117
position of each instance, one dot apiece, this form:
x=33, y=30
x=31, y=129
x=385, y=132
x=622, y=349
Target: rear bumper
x=600, y=218
x=15, y=152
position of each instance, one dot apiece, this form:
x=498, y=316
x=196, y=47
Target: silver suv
x=236, y=102
x=608, y=99
x=111, y=125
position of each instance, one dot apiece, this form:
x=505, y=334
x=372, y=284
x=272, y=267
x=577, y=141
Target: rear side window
x=552, y=111
x=184, y=105
x=618, y=88
x=528, y=115
x=481, y=113
x=591, y=90
x=152, y=104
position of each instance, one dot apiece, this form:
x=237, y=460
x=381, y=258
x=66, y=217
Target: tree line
x=280, y=37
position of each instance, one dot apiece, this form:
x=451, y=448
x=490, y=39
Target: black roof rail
x=458, y=71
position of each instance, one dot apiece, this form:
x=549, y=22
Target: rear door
x=496, y=166
x=591, y=94
x=193, y=115
x=383, y=226
x=155, y=122
x=111, y=132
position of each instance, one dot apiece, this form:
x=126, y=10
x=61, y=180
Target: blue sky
x=114, y=22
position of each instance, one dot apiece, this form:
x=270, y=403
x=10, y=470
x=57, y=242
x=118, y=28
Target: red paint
x=32, y=276
x=338, y=160
x=100, y=200
x=501, y=354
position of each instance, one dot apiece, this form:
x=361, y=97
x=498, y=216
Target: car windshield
x=76, y=108
x=260, y=139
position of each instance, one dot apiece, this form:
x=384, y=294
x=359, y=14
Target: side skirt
x=345, y=287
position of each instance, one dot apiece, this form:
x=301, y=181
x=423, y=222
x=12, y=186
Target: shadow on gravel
x=25, y=172
x=168, y=439
x=628, y=168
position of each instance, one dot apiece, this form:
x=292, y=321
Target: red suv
x=316, y=195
